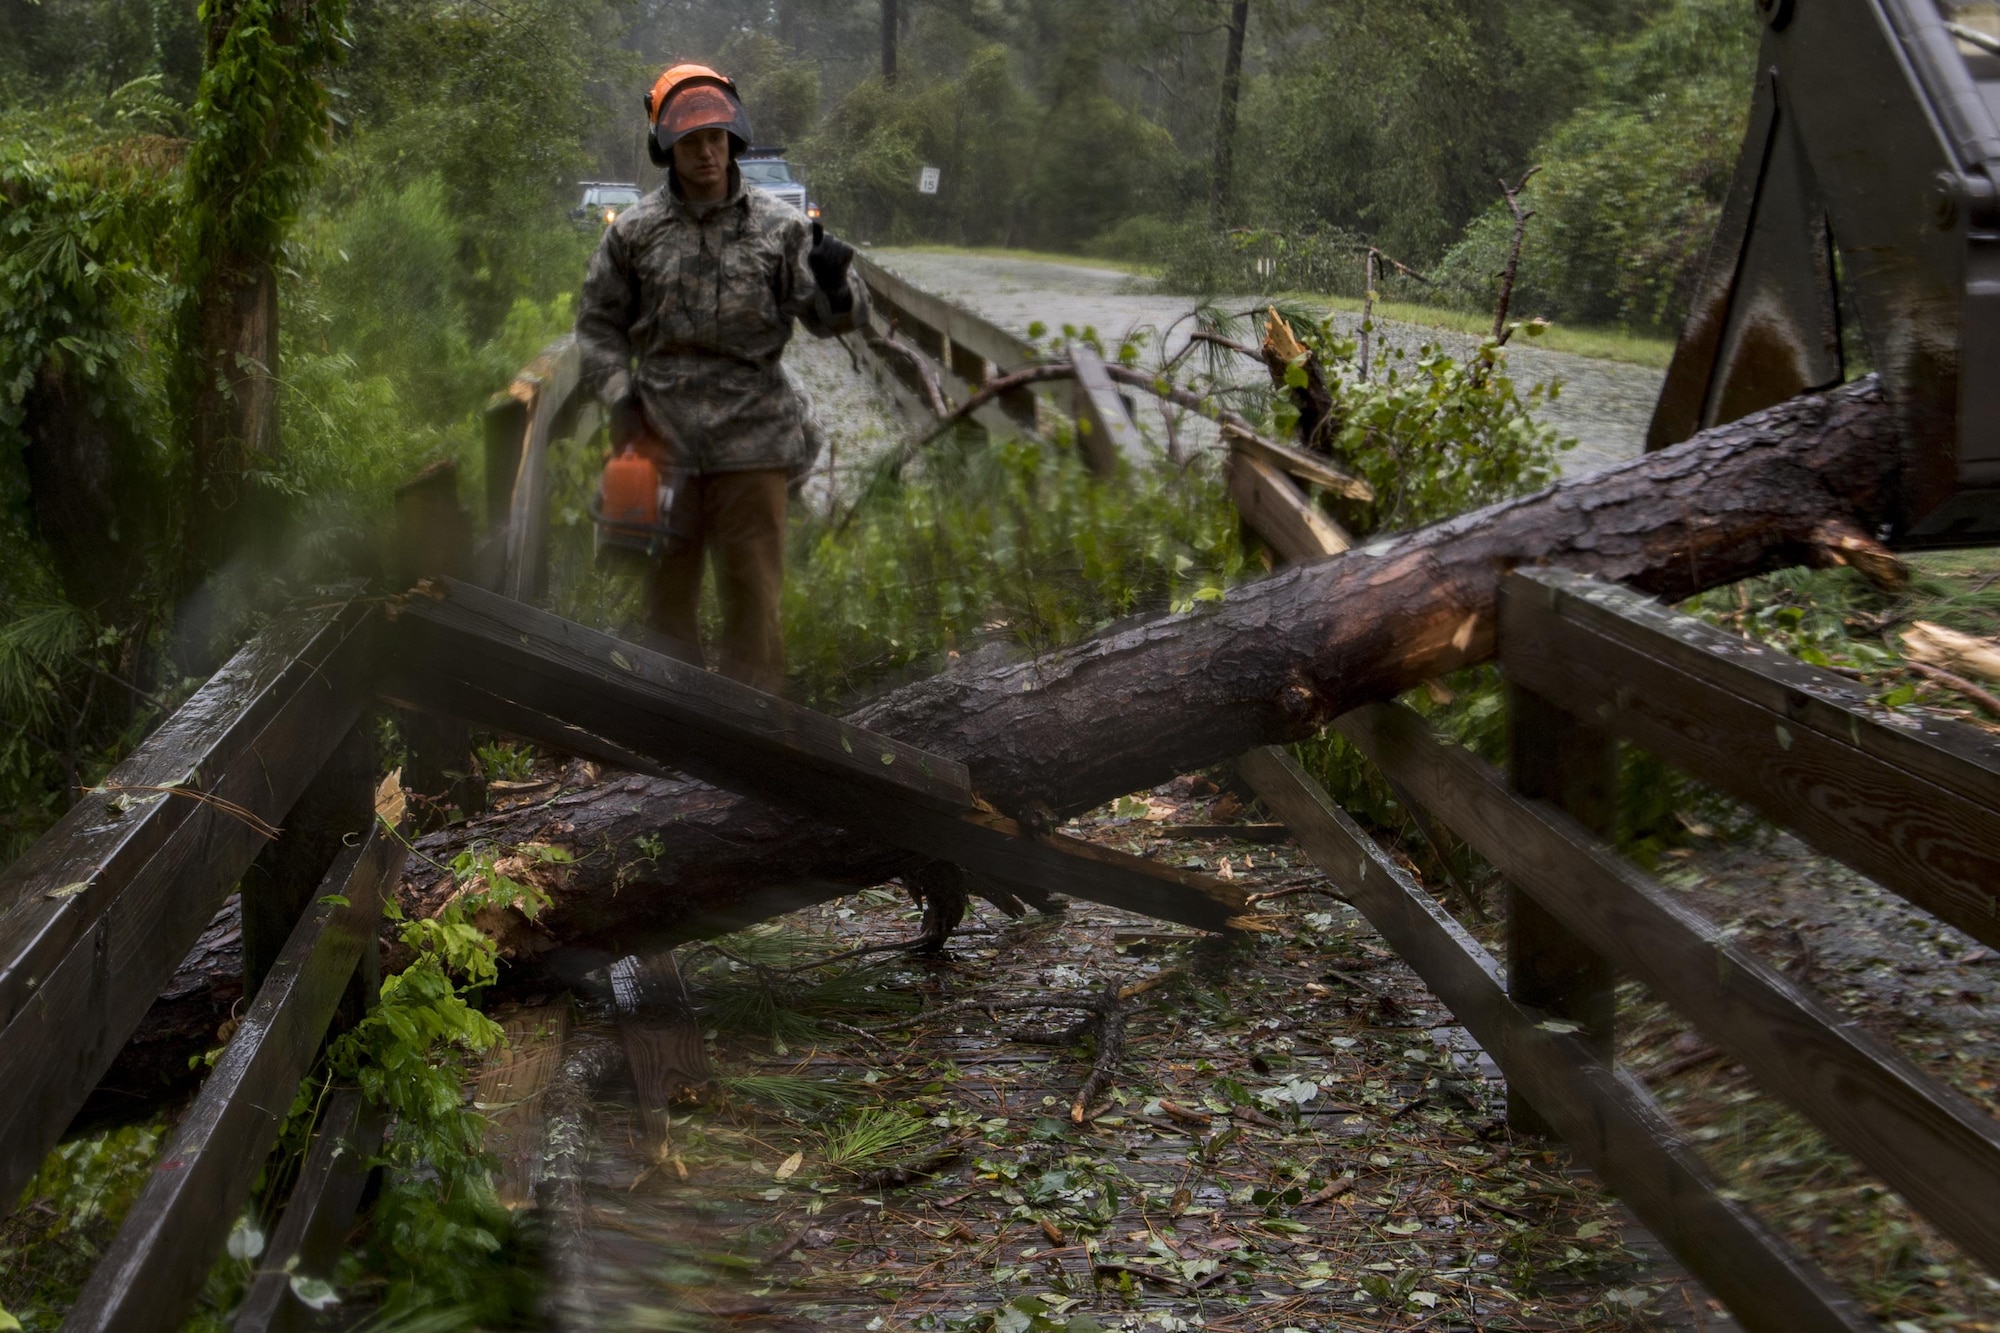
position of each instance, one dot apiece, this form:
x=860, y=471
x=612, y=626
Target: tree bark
x=890, y=22
x=1225, y=116
x=664, y=858
x=261, y=120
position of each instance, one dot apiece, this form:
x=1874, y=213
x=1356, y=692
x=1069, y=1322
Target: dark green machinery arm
x=1869, y=185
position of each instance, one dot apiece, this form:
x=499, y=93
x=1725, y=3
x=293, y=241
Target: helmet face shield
x=703, y=107
x=689, y=98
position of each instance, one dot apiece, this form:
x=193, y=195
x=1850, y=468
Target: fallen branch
x=888, y=344
x=1107, y=1025
x=1237, y=426
x=1959, y=683
x=1507, y=275
x=1233, y=424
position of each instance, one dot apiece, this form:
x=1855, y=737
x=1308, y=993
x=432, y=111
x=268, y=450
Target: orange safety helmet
x=686, y=98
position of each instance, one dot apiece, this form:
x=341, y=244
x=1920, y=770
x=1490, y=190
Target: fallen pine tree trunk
x=1272, y=662
x=657, y=858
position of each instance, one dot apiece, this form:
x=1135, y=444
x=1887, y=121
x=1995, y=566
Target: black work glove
x=628, y=422
x=829, y=259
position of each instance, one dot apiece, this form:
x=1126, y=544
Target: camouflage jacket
x=703, y=303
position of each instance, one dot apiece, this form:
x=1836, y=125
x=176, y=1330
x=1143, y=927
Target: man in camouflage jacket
x=686, y=311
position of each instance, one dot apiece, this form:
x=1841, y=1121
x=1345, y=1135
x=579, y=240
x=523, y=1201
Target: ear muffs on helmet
x=686, y=98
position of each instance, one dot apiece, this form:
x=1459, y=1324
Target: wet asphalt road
x=1604, y=405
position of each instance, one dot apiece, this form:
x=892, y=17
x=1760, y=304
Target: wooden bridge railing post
x=1556, y=758
x=505, y=426
x=338, y=805
x=1104, y=429
x=434, y=540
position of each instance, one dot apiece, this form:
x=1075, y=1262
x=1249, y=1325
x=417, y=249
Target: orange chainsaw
x=634, y=508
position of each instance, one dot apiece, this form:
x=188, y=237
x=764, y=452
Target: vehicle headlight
x=610, y=216
x=812, y=211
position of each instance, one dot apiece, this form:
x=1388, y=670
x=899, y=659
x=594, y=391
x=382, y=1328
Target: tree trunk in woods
x=1271, y=663
x=261, y=120
x=1225, y=116
x=889, y=21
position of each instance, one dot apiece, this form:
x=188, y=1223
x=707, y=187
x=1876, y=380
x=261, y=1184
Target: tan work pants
x=739, y=517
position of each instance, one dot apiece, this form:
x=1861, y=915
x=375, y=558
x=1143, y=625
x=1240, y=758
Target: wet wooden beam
x=1297, y=463
x=1104, y=429
x=503, y=427
x=964, y=329
x=1555, y=758
x=279, y=885
x=97, y=914
x=974, y=343
x=1279, y=512
x=548, y=384
x=507, y=665
x=434, y=539
x=312, y=1232
x=1608, y=1117
x=695, y=720
x=158, y=1261
x=1911, y=802
x=1931, y=1144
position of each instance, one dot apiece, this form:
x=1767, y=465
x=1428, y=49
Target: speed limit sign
x=927, y=181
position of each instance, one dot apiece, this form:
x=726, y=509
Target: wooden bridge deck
x=1403, y=1179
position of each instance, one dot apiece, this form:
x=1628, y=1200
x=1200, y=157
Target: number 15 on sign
x=927, y=181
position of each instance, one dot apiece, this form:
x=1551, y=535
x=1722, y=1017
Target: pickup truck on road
x=766, y=169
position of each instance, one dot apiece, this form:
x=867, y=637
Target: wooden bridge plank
x=157, y=1263
x=1279, y=512
x=509, y=1092
x=1914, y=804
x=551, y=379
x=313, y=1230
x=1931, y=1144
x=989, y=843
x=100, y=911
x=502, y=664
x=713, y=725
x=1104, y=427
x=1610, y=1119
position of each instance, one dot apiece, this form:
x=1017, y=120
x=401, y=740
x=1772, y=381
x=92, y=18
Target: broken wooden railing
x=970, y=352
x=495, y=662
x=262, y=783
x=1913, y=804
x=97, y=914
x=543, y=405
